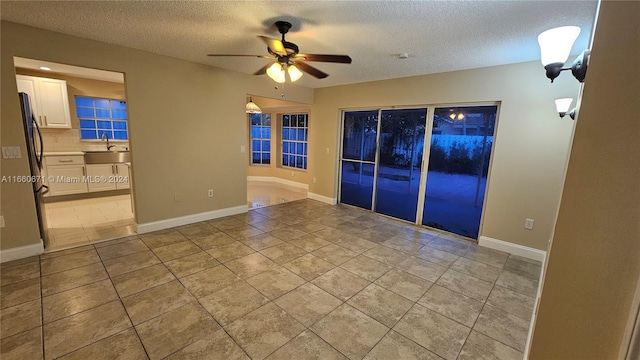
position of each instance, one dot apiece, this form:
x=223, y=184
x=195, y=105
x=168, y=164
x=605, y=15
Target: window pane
x=285, y=160
x=102, y=103
x=301, y=121
x=301, y=133
x=103, y=113
x=120, y=135
x=266, y=132
x=300, y=148
x=266, y=145
x=285, y=134
x=104, y=124
x=266, y=120
x=119, y=114
x=294, y=120
x=266, y=158
x=120, y=125
x=87, y=124
x=88, y=134
x=285, y=120
x=118, y=104
x=305, y=162
x=83, y=101
x=255, y=145
x=108, y=132
x=255, y=157
x=255, y=119
x=84, y=112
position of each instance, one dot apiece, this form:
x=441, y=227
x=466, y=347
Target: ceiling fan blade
x=276, y=46
x=263, y=70
x=311, y=70
x=342, y=59
x=258, y=56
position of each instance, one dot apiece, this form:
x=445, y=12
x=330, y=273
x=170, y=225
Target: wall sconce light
x=555, y=47
x=562, y=105
x=252, y=108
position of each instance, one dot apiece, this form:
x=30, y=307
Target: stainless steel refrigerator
x=35, y=151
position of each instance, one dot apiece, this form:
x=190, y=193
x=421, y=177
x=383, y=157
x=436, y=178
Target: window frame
x=95, y=108
x=285, y=148
x=260, y=139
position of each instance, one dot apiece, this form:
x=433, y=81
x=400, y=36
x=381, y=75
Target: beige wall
x=69, y=139
x=187, y=123
x=530, y=147
x=594, y=262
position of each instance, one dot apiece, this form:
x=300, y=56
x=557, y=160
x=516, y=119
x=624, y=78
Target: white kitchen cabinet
x=122, y=176
x=49, y=100
x=66, y=179
x=101, y=177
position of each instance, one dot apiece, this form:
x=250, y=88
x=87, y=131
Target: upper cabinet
x=49, y=100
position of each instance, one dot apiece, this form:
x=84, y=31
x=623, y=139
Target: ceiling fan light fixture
x=294, y=72
x=276, y=73
x=252, y=108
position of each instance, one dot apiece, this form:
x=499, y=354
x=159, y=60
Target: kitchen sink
x=106, y=157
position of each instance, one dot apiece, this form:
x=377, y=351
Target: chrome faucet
x=106, y=136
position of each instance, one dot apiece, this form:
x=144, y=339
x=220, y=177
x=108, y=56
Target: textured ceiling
x=439, y=36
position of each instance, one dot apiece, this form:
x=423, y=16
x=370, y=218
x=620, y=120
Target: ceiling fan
x=287, y=59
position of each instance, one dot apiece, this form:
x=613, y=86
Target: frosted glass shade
x=252, y=108
x=556, y=43
x=562, y=105
x=276, y=72
x=294, y=73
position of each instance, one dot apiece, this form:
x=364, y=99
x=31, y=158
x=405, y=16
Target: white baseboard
x=512, y=248
x=21, y=252
x=190, y=219
x=324, y=199
x=279, y=181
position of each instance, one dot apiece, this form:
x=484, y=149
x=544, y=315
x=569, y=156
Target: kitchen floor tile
x=73, y=278
x=340, y=283
x=208, y=281
x=156, y=301
x=71, y=333
x=19, y=292
x=422, y=268
x=76, y=300
x=438, y=334
x=465, y=284
x=159, y=239
x=176, y=250
x=518, y=283
x=197, y=230
x=229, y=252
x=121, y=249
x=436, y=256
x=308, y=303
x=244, y=231
x=233, y=302
x=250, y=265
x=13, y=274
x=364, y=332
x=451, y=304
x=476, y=269
x=396, y=346
x=283, y=253
x=309, y=242
x=261, y=242
x=512, y=302
x=25, y=345
x=504, y=327
x=128, y=263
x=386, y=255
x=143, y=279
x=174, y=330
x=275, y=282
x=218, y=346
x=366, y=268
x=479, y=346
x=123, y=345
x=381, y=304
x=488, y=256
x=264, y=330
x=213, y=240
x=335, y=254
x=19, y=318
x=308, y=266
x=288, y=233
x=404, y=284
x=191, y=264
x=307, y=345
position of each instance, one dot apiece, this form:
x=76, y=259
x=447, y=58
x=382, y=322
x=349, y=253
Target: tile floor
x=300, y=280
x=80, y=222
x=260, y=194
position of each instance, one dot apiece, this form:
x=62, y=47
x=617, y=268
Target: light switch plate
x=11, y=152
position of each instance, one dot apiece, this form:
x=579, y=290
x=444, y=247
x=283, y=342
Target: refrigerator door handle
x=43, y=189
x=39, y=156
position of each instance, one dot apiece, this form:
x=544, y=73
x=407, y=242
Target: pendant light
x=252, y=108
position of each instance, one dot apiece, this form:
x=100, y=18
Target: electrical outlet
x=528, y=224
x=315, y=180
x=210, y=192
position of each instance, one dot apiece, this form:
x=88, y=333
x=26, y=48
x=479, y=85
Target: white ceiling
x=440, y=36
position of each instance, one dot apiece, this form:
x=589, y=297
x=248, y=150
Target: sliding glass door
x=399, y=162
x=382, y=156
x=461, y=142
x=358, y=158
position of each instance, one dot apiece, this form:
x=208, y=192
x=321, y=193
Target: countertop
x=62, y=153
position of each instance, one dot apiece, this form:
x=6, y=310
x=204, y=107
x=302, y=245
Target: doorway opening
x=77, y=129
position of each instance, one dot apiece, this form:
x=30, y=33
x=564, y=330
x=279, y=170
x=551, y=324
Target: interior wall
x=530, y=148
x=69, y=139
x=593, y=264
x=187, y=123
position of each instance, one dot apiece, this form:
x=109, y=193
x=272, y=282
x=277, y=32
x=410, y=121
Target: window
x=295, y=135
x=261, y=139
x=102, y=116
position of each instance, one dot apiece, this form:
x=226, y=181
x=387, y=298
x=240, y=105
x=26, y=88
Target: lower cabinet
x=122, y=173
x=66, y=179
x=100, y=177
